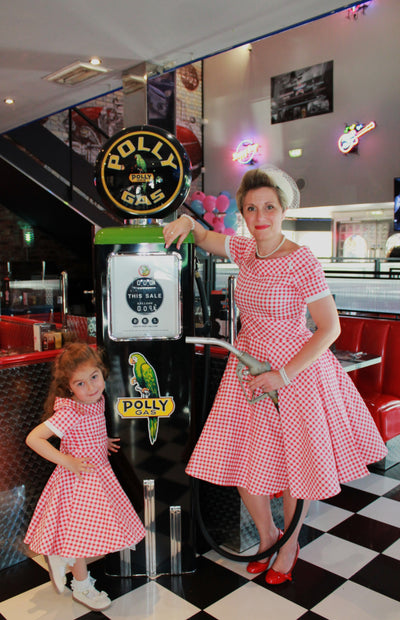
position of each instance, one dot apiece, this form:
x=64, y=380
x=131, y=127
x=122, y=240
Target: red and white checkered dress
x=324, y=433
x=82, y=517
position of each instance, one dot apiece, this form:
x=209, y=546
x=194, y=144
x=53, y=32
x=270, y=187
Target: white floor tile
x=384, y=510
x=337, y=555
x=354, y=602
x=42, y=603
x=255, y=602
x=237, y=567
x=324, y=517
x=393, y=551
x=150, y=601
x=374, y=483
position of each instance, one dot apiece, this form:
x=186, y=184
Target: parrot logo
x=149, y=404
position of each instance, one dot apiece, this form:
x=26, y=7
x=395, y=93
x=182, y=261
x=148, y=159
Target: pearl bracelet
x=284, y=376
x=189, y=218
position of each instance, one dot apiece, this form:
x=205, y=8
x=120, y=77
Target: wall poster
x=302, y=93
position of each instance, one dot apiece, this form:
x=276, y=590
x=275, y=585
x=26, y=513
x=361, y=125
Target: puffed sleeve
x=238, y=248
x=310, y=277
x=62, y=420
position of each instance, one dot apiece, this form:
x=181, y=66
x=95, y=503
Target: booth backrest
x=392, y=360
x=378, y=337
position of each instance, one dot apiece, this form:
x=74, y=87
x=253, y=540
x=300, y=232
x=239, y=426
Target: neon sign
x=349, y=139
x=246, y=152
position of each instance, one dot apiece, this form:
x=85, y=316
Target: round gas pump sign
x=143, y=171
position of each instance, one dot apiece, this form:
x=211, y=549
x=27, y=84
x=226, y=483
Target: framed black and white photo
x=302, y=93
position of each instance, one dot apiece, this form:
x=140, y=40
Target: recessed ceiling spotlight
x=9, y=100
x=95, y=61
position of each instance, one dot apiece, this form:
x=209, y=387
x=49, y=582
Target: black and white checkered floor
x=348, y=569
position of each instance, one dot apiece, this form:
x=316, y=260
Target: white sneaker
x=57, y=570
x=84, y=592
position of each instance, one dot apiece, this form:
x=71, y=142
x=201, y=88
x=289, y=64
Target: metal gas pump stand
x=144, y=302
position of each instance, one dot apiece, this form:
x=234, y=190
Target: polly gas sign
x=149, y=404
x=143, y=171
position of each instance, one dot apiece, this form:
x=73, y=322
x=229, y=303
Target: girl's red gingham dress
x=324, y=434
x=83, y=517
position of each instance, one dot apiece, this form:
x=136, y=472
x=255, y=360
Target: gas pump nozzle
x=247, y=365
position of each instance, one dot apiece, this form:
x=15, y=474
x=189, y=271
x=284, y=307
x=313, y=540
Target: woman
x=323, y=434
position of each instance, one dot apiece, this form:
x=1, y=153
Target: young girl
x=83, y=511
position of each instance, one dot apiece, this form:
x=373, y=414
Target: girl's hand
x=267, y=381
x=178, y=229
x=112, y=444
x=78, y=466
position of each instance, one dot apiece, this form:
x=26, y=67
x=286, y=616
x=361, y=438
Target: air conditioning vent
x=75, y=74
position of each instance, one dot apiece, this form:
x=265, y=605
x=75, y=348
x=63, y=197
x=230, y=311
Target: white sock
x=80, y=586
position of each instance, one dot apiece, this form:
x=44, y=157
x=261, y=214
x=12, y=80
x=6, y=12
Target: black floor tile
x=202, y=615
x=382, y=574
x=308, y=534
x=21, y=577
x=207, y=585
x=367, y=532
x=310, y=584
x=351, y=499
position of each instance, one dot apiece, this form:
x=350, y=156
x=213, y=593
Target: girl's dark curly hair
x=74, y=355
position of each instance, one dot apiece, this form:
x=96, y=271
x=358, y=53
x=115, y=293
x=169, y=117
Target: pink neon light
x=245, y=152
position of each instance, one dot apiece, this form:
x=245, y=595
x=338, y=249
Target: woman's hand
x=266, y=382
x=112, y=444
x=178, y=229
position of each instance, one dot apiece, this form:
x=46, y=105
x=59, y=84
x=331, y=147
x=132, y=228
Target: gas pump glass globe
x=143, y=171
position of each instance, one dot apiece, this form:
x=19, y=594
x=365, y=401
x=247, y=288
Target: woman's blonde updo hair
x=285, y=187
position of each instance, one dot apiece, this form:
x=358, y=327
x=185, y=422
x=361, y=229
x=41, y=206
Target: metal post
x=175, y=525
x=150, y=525
x=125, y=562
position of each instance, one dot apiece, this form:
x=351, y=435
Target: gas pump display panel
x=144, y=297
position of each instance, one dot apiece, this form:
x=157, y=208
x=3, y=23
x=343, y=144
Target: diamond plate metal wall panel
x=23, y=391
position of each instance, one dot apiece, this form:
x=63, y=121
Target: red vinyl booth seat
x=379, y=385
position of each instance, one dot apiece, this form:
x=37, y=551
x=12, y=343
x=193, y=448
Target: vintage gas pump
x=144, y=299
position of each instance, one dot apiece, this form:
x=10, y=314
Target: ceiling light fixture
x=95, y=61
x=75, y=74
x=9, y=100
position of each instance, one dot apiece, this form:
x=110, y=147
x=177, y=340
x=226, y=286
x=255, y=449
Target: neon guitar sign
x=349, y=139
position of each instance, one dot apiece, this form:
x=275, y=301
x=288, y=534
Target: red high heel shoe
x=259, y=567
x=274, y=577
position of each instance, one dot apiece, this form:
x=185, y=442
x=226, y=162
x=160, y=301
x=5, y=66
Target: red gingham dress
x=324, y=433
x=82, y=517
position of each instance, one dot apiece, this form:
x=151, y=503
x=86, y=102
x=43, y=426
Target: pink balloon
x=230, y=231
x=198, y=196
x=209, y=218
x=219, y=224
x=209, y=203
x=222, y=203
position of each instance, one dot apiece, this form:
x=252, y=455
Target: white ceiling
x=38, y=37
